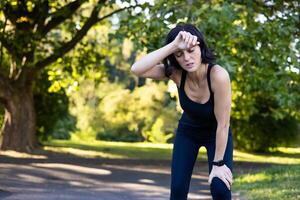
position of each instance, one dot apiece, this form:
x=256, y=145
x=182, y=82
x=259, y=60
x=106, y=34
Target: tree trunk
x=19, y=128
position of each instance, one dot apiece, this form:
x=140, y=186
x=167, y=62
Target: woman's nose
x=186, y=55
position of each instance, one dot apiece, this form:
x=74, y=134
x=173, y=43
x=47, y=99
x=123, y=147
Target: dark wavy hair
x=207, y=55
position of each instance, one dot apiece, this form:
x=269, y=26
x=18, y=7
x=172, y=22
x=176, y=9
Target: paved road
x=69, y=177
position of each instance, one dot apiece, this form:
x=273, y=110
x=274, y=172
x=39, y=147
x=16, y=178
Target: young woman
x=205, y=96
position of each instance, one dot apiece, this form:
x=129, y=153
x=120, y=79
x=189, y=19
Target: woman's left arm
x=222, y=106
x=220, y=83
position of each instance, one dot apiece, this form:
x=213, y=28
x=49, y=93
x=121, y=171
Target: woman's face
x=189, y=59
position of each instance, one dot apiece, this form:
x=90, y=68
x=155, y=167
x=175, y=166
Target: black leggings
x=185, y=151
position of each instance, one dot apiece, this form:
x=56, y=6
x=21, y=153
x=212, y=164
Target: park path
x=66, y=177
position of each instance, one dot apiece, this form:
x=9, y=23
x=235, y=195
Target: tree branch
x=60, y=16
x=93, y=19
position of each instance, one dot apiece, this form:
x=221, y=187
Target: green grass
x=141, y=150
x=115, y=150
x=276, y=183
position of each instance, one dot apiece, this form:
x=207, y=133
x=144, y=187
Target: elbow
x=134, y=70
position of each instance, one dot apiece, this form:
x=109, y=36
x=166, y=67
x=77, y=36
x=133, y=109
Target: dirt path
x=60, y=177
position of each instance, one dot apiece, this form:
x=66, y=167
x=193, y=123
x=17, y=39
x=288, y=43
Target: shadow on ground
x=57, y=176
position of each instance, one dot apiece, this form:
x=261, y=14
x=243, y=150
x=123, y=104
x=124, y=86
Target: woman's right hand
x=185, y=40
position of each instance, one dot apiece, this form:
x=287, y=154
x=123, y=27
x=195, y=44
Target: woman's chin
x=191, y=69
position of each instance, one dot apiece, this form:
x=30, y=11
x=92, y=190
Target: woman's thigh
x=185, y=151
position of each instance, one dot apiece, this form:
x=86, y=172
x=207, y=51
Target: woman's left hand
x=222, y=172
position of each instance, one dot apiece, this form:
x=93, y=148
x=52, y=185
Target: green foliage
x=83, y=104
x=64, y=127
x=113, y=112
x=261, y=133
x=257, y=43
x=144, y=112
x=53, y=118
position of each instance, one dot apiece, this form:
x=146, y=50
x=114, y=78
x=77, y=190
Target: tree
x=31, y=40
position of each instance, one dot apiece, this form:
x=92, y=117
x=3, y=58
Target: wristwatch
x=218, y=163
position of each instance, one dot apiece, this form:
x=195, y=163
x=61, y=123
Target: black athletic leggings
x=185, y=151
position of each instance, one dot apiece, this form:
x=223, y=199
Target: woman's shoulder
x=219, y=75
x=176, y=76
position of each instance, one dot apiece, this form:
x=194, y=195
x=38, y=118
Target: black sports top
x=197, y=115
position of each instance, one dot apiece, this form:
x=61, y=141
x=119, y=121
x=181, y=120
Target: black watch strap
x=218, y=163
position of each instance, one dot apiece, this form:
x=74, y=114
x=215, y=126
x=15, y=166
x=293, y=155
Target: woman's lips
x=189, y=65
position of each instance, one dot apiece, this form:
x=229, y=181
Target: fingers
x=186, y=39
x=228, y=172
x=210, y=179
x=228, y=178
x=227, y=183
x=222, y=177
x=223, y=173
x=189, y=39
x=195, y=40
x=182, y=34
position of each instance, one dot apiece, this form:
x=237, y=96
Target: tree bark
x=19, y=127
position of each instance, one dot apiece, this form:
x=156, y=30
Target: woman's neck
x=199, y=75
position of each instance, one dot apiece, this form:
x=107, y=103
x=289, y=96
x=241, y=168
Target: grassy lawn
x=276, y=183
x=112, y=150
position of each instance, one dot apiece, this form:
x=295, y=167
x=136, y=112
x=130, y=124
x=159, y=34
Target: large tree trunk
x=19, y=128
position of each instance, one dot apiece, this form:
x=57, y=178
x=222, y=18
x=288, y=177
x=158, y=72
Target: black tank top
x=197, y=115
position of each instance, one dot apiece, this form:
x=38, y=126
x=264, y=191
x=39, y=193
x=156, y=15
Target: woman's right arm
x=148, y=66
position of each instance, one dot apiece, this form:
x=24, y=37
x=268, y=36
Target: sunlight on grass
x=143, y=150
x=129, y=144
x=115, y=150
x=288, y=150
x=276, y=183
x=267, y=158
x=251, y=178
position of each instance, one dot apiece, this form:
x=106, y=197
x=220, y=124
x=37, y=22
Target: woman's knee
x=219, y=190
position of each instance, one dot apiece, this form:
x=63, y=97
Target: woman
x=205, y=96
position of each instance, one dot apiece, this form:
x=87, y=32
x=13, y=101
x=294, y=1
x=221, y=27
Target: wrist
x=174, y=46
x=218, y=163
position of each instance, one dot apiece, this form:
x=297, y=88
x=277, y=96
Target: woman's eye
x=178, y=54
x=191, y=50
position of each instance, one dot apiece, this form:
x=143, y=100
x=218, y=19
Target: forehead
x=193, y=48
